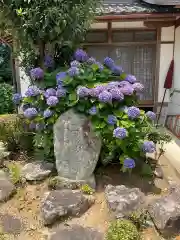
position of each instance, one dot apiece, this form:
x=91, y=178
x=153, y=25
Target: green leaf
x=72, y=97
x=146, y=170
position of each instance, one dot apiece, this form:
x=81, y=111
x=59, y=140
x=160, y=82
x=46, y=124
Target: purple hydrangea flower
x=91, y=60
x=61, y=92
x=52, y=101
x=73, y=71
x=112, y=119
x=129, y=163
x=124, y=84
x=112, y=85
x=105, y=97
x=48, y=61
x=48, y=113
x=32, y=91
x=116, y=70
x=117, y=94
x=50, y=92
x=30, y=113
x=80, y=55
x=16, y=98
x=130, y=78
x=127, y=90
x=100, y=66
x=138, y=87
x=94, y=92
x=75, y=64
x=32, y=126
x=60, y=77
x=133, y=112
x=151, y=115
x=93, y=110
x=120, y=133
x=37, y=73
x=108, y=62
x=40, y=126
x=148, y=147
x=82, y=91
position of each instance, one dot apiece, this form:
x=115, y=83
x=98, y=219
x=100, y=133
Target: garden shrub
x=86, y=189
x=13, y=133
x=6, y=103
x=105, y=94
x=122, y=230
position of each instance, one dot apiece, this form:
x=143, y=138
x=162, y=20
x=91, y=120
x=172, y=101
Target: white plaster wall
x=174, y=105
x=167, y=34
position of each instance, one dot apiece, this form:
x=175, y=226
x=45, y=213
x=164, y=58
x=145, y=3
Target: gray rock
x=3, y=175
x=6, y=189
x=123, y=201
x=165, y=212
x=10, y=224
x=76, y=232
x=65, y=183
x=64, y=203
x=36, y=171
x=76, y=146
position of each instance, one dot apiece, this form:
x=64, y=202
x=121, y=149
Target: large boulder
x=123, y=201
x=76, y=146
x=64, y=203
x=165, y=212
x=7, y=189
x=76, y=232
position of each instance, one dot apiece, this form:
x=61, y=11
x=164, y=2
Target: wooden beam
x=156, y=24
x=177, y=24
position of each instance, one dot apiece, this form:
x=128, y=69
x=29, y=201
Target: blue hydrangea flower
x=60, y=77
x=16, y=98
x=111, y=119
x=91, y=60
x=120, y=133
x=148, y=147
x=93, y=110
x=73, y=71
x=52, y=101
x=48, y=113
x=108, y=62
x=129, y=163
x=130, y=78
x=37, y=73
x=117, y=94
x=116, y=70
x=82, y=91
x=48, y=61
x=127, y=90
x=138, y=87
x=133, y=112
x=80, y=55
x=94, y=92
x=75, y=64
x=100, y=66
x=50, y=92
x=105, y=97
x=61, y=92
x=151, y=115
x=30, y=113
x=32, y=91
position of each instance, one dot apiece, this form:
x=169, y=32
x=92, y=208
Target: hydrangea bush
x=103, y=92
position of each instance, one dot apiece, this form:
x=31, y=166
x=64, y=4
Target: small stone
x=37, y=171
x=158, y=172
x=6, y=189
x=165, y=212
x=64, y=203
x=76, y=232
x=10, y=224
x=123, y=201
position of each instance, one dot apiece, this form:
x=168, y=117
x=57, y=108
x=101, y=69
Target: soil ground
x=26, y=203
